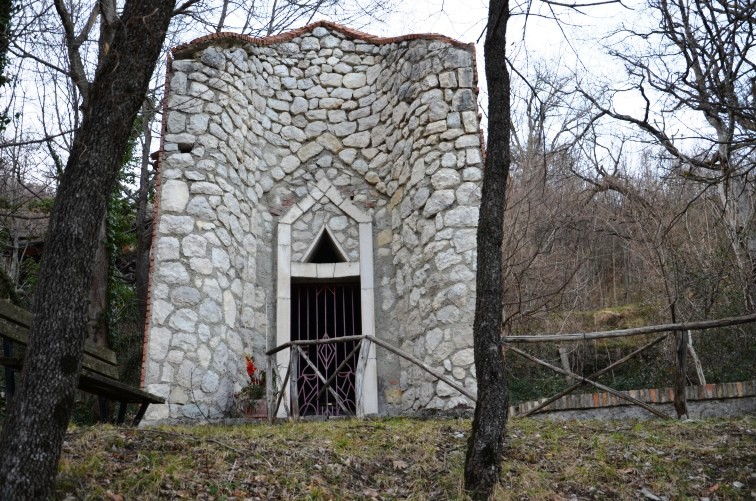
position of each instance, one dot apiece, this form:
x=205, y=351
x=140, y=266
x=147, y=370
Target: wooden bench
x=99, y=373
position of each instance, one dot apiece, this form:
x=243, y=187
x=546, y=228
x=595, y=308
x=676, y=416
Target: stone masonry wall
x=251, y=125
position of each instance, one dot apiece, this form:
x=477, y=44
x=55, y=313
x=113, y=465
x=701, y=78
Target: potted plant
x=250, y=400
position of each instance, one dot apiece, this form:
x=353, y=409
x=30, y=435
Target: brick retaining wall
x=589, y=401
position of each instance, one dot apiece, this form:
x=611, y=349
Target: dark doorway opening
x=326, y=250
x=326, y=311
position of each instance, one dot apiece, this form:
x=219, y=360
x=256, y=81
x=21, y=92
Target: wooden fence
x=680, y=400
x=275, y=393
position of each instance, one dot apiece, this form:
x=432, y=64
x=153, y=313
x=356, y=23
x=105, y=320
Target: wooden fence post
x=681, y=352
x=696, y=360
x=294, y=389
x=270, y=396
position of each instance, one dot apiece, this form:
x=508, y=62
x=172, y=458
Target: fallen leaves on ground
x=410, y=459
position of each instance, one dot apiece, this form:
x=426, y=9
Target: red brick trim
x=476, y=91
x=158, y=169
x=584, y=401
x=204, y=41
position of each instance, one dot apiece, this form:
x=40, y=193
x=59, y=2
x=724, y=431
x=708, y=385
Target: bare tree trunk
x=485, y=446
x=97, y=323
x=143, y=219
x=32, y=435
x=681, y=347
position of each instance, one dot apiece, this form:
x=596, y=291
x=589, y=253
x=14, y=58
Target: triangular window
x=325, y=249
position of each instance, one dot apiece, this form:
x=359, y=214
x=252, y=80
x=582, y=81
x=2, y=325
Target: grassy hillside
x=410, y=459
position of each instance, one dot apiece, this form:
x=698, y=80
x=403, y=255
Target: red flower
x=251, y=369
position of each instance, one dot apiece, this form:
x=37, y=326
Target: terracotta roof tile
x=203, y=41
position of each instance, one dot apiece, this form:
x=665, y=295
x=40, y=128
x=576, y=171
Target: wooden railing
x=679, y=394
x=275, y=394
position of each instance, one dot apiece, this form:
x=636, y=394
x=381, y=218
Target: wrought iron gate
x=326, y=372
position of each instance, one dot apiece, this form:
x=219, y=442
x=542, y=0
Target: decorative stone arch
x=366, y=389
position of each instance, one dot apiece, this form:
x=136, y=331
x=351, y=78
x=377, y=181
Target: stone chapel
x=316, y=184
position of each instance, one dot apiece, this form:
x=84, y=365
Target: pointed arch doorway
x=323, y=297
x=323, y=311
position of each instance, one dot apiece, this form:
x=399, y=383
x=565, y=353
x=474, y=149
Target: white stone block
x=184, y=320
x=330, y=143
x=176, y=122
x=175, y=225
x=186, y=376
x=210, y=382
x=432, y=339
x=357, y=140
x=445, y=178
x=468, y=141
x=155, y=413
x=198, y=123
x=331, y=80
x=350, y=269
x=437, y=202
x=206, y=188
x=366, y=254
x=204, y=356
x=444, y=390
x=338, y=223
x=185, y=296
x=309, y=150
x=229, y=309
x=179, y=160
x=354, y=80
x=444, y=260
x=294, y=213
x=201, y=265
x=461, y=217
x=305, y=270
x=159, y=341
x=463, y=358
x=194, y=246
x=442, y=352
x=173, y=273
x=167, y=248
x=448, y=314
x=325, y=270
x=210, y=311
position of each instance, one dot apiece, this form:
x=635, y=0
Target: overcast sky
x=574, y=44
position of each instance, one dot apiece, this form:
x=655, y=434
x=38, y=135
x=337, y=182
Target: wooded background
x=611, y=220
x=613, y=215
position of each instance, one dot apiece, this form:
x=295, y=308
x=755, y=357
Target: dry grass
x=410, y=459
